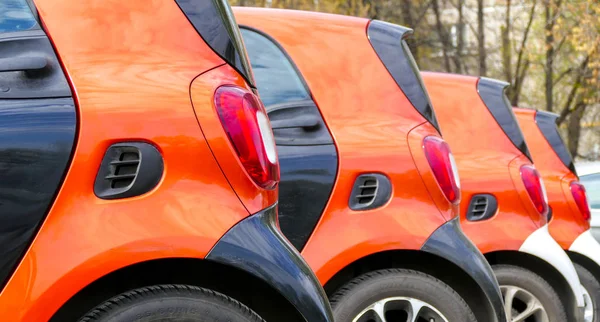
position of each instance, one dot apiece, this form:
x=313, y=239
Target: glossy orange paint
x=567, y=223
x=487, y=162
x=131, y=65
x=386, y=138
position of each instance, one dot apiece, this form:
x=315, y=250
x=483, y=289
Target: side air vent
x=127, y=170
x=370, y=191
x=482, y=206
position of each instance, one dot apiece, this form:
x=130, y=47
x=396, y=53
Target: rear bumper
x=543, y=246
x=256, y=246
x=450, y=242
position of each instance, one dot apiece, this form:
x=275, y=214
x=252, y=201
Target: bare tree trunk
x=549, y=68
x=506, y=50
x=522, y=65
x=574, y=128
x=481, y=39
x=460, y=34
x=566, y=110
x=409, y=21
x=443, y=35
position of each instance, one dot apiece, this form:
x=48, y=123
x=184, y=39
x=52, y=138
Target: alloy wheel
x=522, y=306
x=400, y=309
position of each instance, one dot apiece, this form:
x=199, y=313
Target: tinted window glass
x=276, y=78
x=388, y=41
x=592, y=188
x=214, y=21
x=492, y=93
x=546, y=122
x=15, y=15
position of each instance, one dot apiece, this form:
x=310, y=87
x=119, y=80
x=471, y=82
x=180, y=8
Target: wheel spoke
x=529, y=311
x=514, y=300
x=379, y=309
x=509, y=296
x=415, y=308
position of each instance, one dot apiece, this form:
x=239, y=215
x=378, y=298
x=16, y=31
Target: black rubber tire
x=592, y=286
x=536, y=285
x=364, y=290
x=171, y=303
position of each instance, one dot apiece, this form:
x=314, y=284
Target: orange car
x=569, y=222
x=139, y=171
x=369, y=191
x=504, y=204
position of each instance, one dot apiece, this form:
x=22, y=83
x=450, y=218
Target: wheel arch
x=586, y=262
x=428, y=263
x=190, y=271
x=542, y=268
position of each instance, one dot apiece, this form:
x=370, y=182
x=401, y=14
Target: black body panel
x=36, y=139
x=450, y=242
x=492, y=94
x=389, y=43
x=28, y=67
x=214, y=21
x=307, y=177
x=256, y=246
x=546, y=122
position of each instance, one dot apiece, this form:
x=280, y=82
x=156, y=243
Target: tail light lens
x=244, y=119
x=443, y=166
x=535, y=188
x=578, y=191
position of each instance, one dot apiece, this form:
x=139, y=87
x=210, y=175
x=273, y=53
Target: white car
x=589, y=175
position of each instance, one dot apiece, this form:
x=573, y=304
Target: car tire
x=592, y=287
x=352, y=299
x=510, y=276
x=171, y=303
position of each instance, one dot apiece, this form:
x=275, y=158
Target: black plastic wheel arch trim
x=256, y=246
x=449, y=242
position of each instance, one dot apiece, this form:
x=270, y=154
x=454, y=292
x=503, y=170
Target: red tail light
x=244, y=119
x=535, y=188
x=443, y=166
x=578, y=191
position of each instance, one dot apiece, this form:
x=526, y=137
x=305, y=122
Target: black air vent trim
x=370, y=191
x=481, y=207
x=128, y=169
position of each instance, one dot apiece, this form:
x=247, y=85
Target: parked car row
x=161, y=162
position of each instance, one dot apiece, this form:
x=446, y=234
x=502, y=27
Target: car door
x=37, y=129
x=307, y=154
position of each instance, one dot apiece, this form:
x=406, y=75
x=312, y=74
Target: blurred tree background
x=548, y=50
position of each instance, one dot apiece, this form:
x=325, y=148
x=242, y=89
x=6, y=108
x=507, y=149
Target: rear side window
x=15, y=15
x=492, y=94
x=546, y=122
x=276, y=78
x=388, y=42
x=214, y=21
x=592, y=189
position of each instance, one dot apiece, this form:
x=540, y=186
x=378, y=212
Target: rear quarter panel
x=131, y=65
x=370, y=120
x=487, y=163
x=566, y=223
